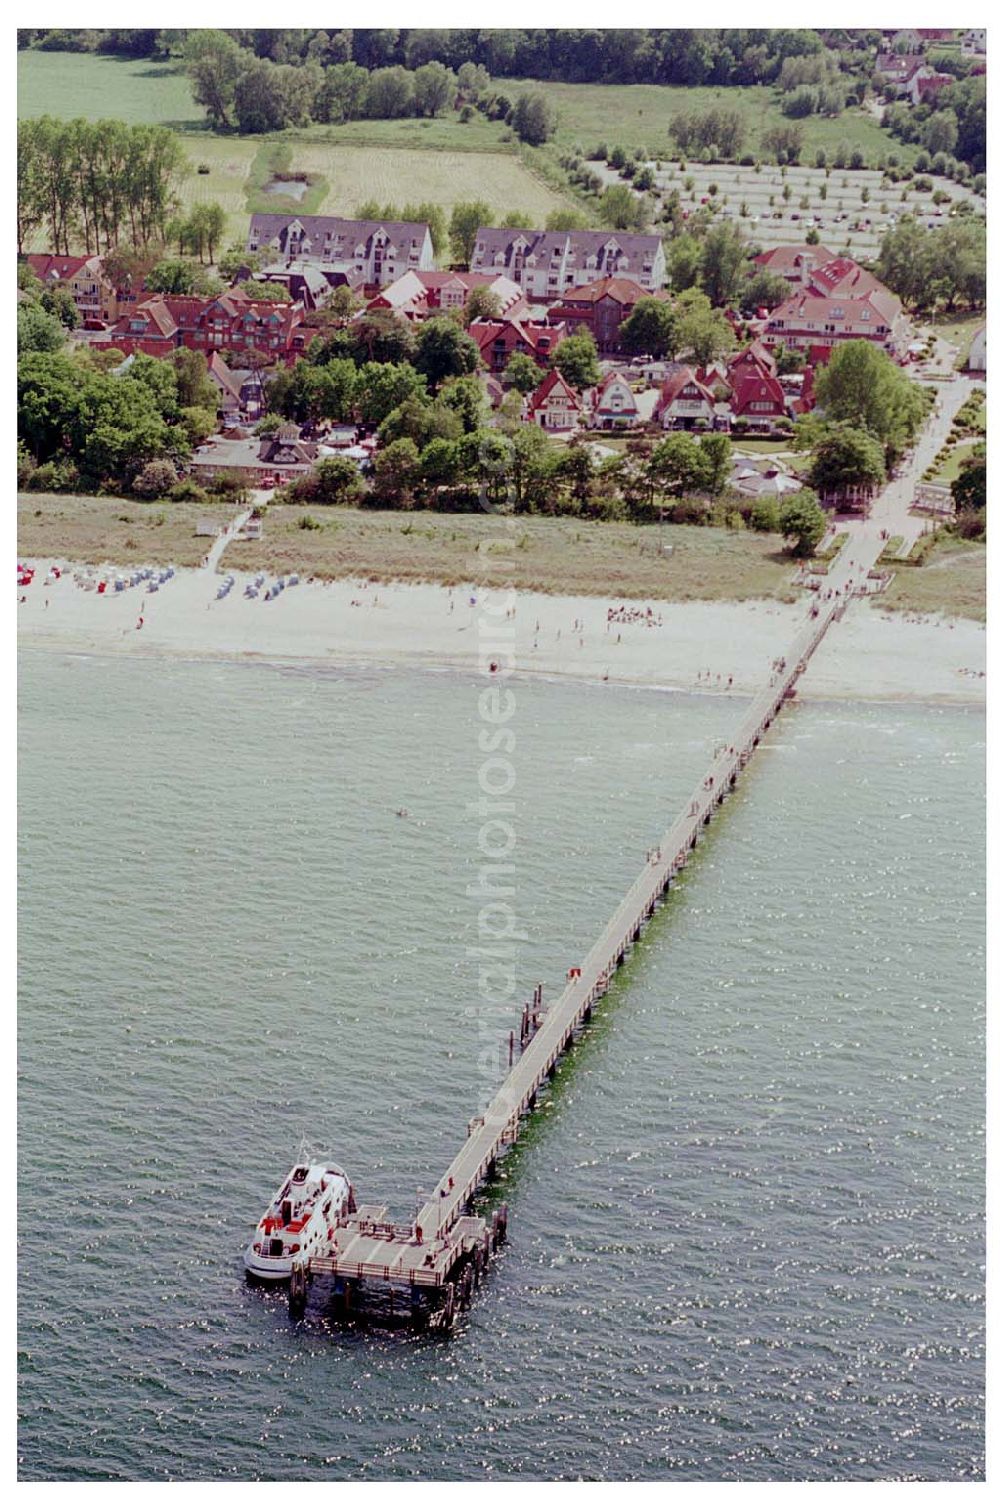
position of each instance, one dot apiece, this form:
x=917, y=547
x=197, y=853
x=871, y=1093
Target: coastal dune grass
x=100, y=529
x=952, y=582
x=550, y=556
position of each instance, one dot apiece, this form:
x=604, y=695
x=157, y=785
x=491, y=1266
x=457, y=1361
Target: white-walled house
x=614, y=403
x=362, y=252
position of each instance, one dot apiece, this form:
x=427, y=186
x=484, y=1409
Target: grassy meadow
x=73, y=85
x=552, y=556
x=639, y=115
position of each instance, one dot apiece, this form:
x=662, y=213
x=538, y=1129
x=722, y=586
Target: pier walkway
x=428, y=1268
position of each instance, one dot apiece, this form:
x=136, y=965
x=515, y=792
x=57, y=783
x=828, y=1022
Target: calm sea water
x=746, y=1228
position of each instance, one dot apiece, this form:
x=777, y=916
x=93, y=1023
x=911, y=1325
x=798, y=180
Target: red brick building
x=230, y=321
x=499, y=339
x=600, y=308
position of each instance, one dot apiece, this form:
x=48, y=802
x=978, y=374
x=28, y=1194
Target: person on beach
x=139, y=623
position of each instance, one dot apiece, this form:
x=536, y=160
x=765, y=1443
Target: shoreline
x=724, y=649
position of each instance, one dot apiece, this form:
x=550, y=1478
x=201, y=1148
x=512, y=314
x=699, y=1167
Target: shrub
x=60, y=476
x=970, y=524
x=227, y=486
x=689, y=512
x=765, y=514
x=26, y=466
x=188, y=489
x=155, y=479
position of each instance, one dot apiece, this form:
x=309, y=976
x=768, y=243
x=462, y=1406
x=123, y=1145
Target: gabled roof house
x=555, y=405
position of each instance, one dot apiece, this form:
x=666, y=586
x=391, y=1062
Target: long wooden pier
x=428, y=1268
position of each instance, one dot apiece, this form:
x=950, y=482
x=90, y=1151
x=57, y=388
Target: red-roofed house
x=757, y=398
x=794, y=262
x=555, y=405
x=910, y=77
x=497, y=341
x=422, y=294
x=684, y=400
x=600, y=308
x=754, y=359
x=230, y=321
x=897, y=68
x=92, y=292
x=929, y=85
x=818, y=323
x=614, y=403
x=842, y=277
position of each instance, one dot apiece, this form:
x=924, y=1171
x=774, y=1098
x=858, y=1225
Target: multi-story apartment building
x=546, y=264
x=360, y=252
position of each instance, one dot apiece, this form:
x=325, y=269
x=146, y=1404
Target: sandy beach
x=711, y=647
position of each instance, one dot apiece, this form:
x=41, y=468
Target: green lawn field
x=73, y=85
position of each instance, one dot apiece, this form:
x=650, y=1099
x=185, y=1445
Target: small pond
x=287, y=187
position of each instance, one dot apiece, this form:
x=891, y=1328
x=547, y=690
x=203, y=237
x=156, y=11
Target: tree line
x=567, y=54
x=253, y=94
x=99, y=182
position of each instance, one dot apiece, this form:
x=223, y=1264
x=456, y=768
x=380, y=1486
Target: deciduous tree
x=466, y=219
x=650, y=328
x=576, y=360
x=802, y=523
